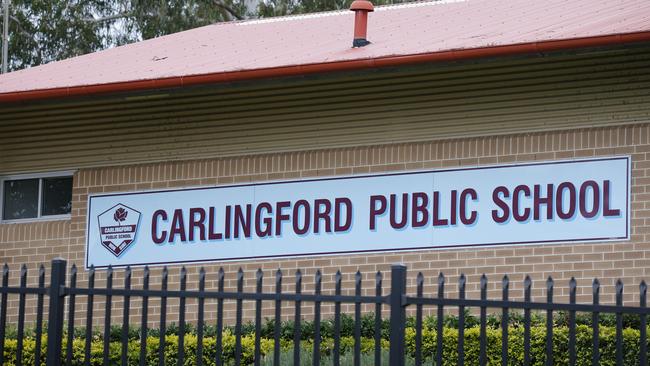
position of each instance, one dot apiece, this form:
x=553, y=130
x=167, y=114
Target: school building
x=473, y=136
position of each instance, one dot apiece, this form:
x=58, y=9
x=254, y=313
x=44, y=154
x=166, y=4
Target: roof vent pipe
x=361, y=8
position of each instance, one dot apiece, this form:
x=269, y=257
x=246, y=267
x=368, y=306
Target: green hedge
x=560, y=344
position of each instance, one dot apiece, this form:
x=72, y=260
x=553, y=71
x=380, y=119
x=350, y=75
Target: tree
x=45, y=30
x=42, y=31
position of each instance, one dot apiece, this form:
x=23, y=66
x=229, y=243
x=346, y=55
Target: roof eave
x=297, y=70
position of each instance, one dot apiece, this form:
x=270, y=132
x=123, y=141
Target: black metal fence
x=398, y=300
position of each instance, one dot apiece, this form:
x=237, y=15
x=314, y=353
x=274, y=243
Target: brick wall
x=35, y=243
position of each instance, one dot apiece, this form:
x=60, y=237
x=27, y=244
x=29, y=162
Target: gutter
x=297, y=70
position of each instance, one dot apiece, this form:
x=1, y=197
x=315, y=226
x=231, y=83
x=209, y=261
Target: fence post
x=55, y=319
x=397, y=314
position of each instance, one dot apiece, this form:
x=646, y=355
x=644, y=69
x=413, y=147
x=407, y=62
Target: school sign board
x=546, y=202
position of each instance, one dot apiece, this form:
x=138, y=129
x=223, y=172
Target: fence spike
x=595, y=354
x=462, y=280
x=643, y=352
x=278, y=277
x=221, y=275
x=595, y=286
x=418, y=321
x=549, y=283
x=573, y=285
x=298, y=278
x=619, y=323
x=378, y=335
x=238, y=317
x=337, y=320
x=505, y=284
x=183, y=274
x=357, y=320
x=619, y=286
x=259, y=281
x=439, y=319
x=483, y=310
x=549, y=322
x=5, y=270
x=297, y=334
x=201, y=274
x=23, y=270
x=318, y=277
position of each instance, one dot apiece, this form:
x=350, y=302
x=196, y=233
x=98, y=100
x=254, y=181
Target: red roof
x=295, y=45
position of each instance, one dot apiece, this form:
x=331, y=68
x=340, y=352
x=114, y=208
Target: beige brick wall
x=35, y=243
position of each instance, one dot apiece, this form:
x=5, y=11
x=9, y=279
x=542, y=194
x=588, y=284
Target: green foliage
x=41, y=31
x=584, y=333
x=271, y=8
x=44, y=30
x=429, y=336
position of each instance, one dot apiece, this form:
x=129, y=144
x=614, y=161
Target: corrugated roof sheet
x=325, y=38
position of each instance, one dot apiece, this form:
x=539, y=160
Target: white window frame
x=40, y=177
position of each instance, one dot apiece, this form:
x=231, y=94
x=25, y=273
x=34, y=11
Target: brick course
x=38, y=242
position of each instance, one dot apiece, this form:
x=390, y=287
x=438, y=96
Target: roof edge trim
x=349, y=65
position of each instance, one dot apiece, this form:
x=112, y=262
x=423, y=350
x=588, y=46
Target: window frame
x=40, y=177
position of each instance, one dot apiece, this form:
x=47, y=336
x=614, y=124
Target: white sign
x=558, y=201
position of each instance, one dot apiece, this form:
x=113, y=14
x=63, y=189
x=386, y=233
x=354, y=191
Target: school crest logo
x=118, y=227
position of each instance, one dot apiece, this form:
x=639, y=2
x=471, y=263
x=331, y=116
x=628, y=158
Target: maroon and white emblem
x=117, y=228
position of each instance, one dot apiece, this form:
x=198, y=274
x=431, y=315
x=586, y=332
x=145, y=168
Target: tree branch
x=109, y=17
x=19, y=27
x=227, y=8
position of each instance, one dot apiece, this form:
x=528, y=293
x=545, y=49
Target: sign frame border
x=628, y=158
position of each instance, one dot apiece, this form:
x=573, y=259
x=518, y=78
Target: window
x=36, y=197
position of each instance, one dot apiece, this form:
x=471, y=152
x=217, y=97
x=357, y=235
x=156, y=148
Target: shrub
x=429, y=336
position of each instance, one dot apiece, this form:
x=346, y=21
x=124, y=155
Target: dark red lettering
x=345, y=226
x=607, y=211
x=437, y=221
x=516, y=194
x=464, y=195
x=393, y=211
x=296, y=216
x=280, y=216
x=197, y=222
x=496, y=198
x=177, y=227
x=227, y=226
x=243, y=220
x=595, y=192
x=322, y=215
x=376, y=211
x=420, y=202
x=158, y=239
x=212, y=234
x=538, y=200
x=453, y=211
x=267, y=221
x=559, y=200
